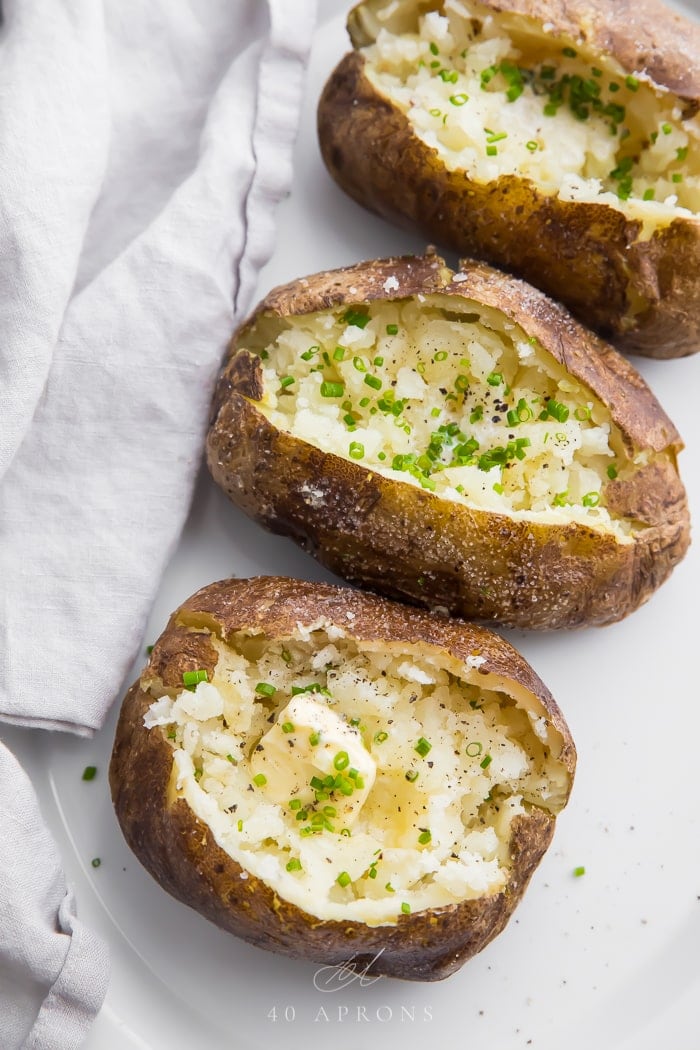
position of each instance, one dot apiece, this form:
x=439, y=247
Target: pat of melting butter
x=309, y=742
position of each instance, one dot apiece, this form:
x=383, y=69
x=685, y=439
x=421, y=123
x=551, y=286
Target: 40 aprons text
x=383, y=1014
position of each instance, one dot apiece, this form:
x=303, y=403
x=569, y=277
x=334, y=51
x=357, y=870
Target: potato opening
x=360, y=781
x=495, y=95
x=450, y=396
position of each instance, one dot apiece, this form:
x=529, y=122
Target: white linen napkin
x=143, y=147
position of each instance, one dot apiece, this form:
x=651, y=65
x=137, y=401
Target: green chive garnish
x=486, y=761
x=265, y=689
x=578, y=872
x=474, y=748
x=344, y=879
x=329, y=389
x=591, y=499
x=341, y=760
x=423, y=747
x=90, y=772
x=356, y=450
x=424, y=837
x=392, y=329
x=260, y=780
x=191, y=679
x=406, y=908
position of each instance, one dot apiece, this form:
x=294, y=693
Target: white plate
x=610, y=960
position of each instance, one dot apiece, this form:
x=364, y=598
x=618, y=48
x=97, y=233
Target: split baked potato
x=558, y=140
x=335, y=777
x=454, y=439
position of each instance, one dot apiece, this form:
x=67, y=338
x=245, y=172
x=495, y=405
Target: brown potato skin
x=406, y=542
x=179, y=850
x=642, y=295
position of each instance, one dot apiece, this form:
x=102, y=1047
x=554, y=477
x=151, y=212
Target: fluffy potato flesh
x=360, y=781
x=453, y=397
x=496, y=95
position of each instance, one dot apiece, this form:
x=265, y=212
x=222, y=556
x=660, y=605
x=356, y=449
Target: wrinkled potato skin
x=643, y=295
x=179, y=850
x=408, y=543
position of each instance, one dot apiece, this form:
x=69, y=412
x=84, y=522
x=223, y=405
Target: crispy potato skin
x=409, y=543
x=179, y=850
x=643, y=295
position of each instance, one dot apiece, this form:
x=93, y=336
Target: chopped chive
x=374, y=382
x=531, y=145
x=667, y=128
x=314, y=739
x=359, y=364
x=632, y=83
x=295, y=803
x=389, y=888
x=378, y=362
x=591, y=499
x=459, y=100
x=232, y=760
x=557, y=411
x=406, y=908
x=649, y=194
x=411, y=775
x=339, y=353
x=494, y=379
x=191, y=679
x=286, y=381
x=240, y=825
x=356, y=450
x=308, y=354
x=582, y=413
x=260, y=780
x=265, y=689
x=434, y=49
x=474, y=748
x=491, y=151
x=380, y=737
x=433, y=113
x=294, y=864
x=423, y=747
x=149, y=649
x=95, y=862
x=89, y=773
x=341, y=760
x=486, y=762
x=579, y=871
x=329, y=389
x=612, y=472
x=441, y=355
x=392, y=329
x=425, y=837
x=568, y=52
x=357, y=317
x=344, y=879
x=346, y=832
x=676, y=177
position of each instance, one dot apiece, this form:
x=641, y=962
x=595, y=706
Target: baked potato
x=453, y=439
x=558, y=140
x=335, y=777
